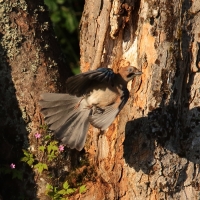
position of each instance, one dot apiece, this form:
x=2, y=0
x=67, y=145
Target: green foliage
x=14, y=172
x=17, y=174
x=82, y=189
x=48, y=150
x=61, y=194
x=66, y=189
x=52, y=147
x=65, y=15
x=28, y=158
x=40, y=167
x=44, y=127
x=53, y=192
x=47, y=137
x=42, y=148
x=51, y=151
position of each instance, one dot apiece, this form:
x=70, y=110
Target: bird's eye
x=130, y=69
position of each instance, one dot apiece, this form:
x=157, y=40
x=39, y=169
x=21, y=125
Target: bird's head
x=128, y=73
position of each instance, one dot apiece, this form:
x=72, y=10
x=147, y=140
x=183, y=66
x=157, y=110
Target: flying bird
x=94, y=97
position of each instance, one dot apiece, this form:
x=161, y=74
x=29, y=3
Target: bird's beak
x=138, y=73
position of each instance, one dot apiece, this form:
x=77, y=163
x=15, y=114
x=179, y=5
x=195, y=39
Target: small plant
x=52, y=150
x=11, y=170
x=40, y=167
x=48, y=151
x=54, y=193
x=28, y=158
x=61, y=194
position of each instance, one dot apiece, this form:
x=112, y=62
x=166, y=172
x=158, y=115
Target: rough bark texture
x=29, y=60
x=151, y=151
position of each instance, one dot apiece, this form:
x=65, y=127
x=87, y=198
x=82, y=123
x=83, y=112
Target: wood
x=30, y=64
x=151, y=151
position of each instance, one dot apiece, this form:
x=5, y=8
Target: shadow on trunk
x=16, y=183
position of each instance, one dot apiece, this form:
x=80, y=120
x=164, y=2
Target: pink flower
x=61, y=148
x=37, y=135
x=12, y=166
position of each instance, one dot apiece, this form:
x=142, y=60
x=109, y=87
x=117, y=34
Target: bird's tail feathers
x=66, y=118
x=79, y=127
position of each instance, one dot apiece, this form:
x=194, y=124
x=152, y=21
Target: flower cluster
x=12, y=166
x=61, y=148
x=37, y=135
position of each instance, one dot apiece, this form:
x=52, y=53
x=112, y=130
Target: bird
x=95, y=97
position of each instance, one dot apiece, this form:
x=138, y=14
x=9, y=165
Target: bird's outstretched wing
x=69, y=122
x=102, y=119
x=77, y=85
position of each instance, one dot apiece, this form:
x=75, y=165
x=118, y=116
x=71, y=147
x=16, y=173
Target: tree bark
x=151, y=151
x=31, y=63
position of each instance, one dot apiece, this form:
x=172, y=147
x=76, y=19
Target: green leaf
x=52, y=5
x=70, y=190
x=51, y=157
x=28, y=158
x=45, y=166
x=44, y=127
x=26, y=153
x=55, y=189
x=16, y=174
x=52, y=147
x=65, y=185
x=63, y=192
x=5, y=170
x=60, y=1
x=42, y=148
x=70, y=19
x=49, y=187
x=40, y=167
x=48, y=137
x=82, y=189
x=30, y=162
x=56, y=17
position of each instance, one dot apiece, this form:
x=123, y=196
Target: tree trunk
x=151, y=151
x=30, y=64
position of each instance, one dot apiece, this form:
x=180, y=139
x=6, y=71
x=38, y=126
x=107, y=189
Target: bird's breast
x=102, y=97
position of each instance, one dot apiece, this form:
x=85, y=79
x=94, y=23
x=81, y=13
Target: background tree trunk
x=30, y=63
x=152, y=149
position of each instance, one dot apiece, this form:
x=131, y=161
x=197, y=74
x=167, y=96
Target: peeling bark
x=151, y=151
